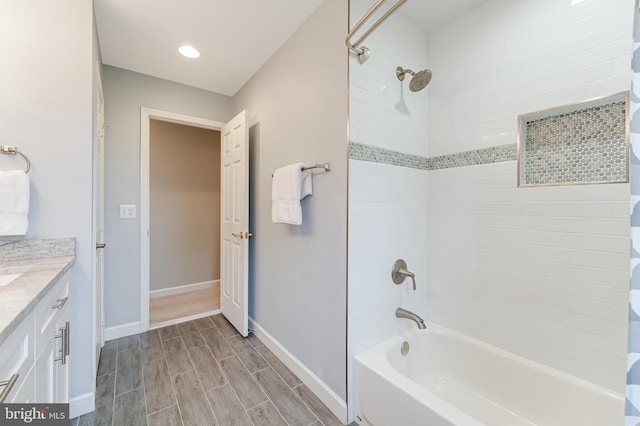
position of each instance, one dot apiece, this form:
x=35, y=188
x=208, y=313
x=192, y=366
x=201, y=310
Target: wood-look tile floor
x=167, y=308
x=200, y=372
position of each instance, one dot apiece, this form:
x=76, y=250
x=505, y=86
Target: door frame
x=98, y=258
x=146, y=115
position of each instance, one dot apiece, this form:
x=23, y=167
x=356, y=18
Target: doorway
x=184, y=190
x=163, y=246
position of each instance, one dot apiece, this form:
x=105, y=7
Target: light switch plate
x=127, y=211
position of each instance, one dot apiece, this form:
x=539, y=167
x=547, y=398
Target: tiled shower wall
x=542, y=272
x=506, y=58
x=387, y=190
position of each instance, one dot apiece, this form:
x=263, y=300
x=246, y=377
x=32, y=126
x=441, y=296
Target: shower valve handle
x=400, y=272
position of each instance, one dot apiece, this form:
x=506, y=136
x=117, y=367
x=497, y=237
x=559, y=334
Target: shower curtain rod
x=362, y=52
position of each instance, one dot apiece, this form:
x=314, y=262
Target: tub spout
x=403, y=313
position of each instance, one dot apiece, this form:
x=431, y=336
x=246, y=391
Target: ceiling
x=235, y=38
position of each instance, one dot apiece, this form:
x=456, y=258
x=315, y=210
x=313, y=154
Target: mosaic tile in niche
x=584, y=146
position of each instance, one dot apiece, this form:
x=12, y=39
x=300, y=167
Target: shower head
x=419, y=80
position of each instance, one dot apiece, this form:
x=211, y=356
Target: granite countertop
x=41, y=264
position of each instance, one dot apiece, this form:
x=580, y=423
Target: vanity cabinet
x=38, y=351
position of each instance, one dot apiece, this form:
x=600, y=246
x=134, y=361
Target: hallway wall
x=184, y=185
x=297, y=112
x=125, y=93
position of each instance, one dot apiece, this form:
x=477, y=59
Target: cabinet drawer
x=18, y=354
x=48, y=311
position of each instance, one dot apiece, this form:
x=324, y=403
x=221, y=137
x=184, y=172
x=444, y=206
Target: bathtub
x=447, y=378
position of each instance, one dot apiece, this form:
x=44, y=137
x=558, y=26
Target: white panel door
x=234, y=232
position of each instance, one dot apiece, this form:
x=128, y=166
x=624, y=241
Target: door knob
x=248, y=235
x=238, y=235
x=100, y=245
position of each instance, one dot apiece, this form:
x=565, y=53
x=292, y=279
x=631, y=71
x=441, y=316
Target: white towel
x=14, y=203
x=290, y=185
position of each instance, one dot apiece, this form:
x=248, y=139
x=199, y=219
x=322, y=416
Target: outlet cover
x=127, y=211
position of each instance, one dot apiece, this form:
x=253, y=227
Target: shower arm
x=362, y=52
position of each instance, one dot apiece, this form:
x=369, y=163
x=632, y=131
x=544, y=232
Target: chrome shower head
x=418, y=81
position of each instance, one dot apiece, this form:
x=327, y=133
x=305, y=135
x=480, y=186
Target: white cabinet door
x=46, y=372
x=17, y=355
x=26, y=393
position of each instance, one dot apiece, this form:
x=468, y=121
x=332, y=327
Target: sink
x=8, y=275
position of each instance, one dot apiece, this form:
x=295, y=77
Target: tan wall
x=185, y=205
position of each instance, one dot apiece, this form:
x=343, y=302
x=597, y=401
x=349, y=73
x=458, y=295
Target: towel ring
x=6, y=149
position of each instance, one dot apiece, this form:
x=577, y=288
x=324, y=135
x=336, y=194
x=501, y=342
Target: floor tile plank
x=217, y=343
x=248, y=391
x=168, y=332
x=316, y=406
x=207, y=368
x=255, y=342
x=129, y=409
x=247, y=354
x=227, y=407
x=128, y=372
x=223, y=325
x=192, y=401
x=287, y=403
x=128, y=343
x=150, y=346
x=167, y=417
x=190, y=335
x=177, y=356
x=202, y=323
x=290, y=379
x=107, y=362
x=158, y=388
x=266, y=415
x=103, y=414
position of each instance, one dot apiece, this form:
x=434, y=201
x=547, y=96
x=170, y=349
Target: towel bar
x=325, y=166
x=13, y=150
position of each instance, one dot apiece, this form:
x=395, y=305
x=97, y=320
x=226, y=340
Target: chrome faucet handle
x=400, y=272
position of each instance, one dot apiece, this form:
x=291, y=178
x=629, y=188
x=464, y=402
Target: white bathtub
x=450, y=379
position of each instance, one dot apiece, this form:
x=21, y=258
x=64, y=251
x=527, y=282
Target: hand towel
x=290, y=185
x=14, y=203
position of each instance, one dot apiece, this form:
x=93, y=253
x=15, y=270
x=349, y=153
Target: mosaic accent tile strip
x=584, y=146
x=374, y=154
x=495, y=154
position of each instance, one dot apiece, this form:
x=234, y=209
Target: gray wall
x=297, y=112
x=125, y=93
x=184, y=186
x=46, y=86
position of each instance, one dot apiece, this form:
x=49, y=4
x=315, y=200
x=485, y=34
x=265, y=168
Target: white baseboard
x=123, y=330
x=182, y=289
x=329, y=398
x=184, y=319
x=82, y=404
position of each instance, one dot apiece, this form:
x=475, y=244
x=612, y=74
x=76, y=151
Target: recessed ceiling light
x=189, y=51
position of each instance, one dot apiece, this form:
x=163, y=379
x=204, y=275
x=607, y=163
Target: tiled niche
x=575, y=144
